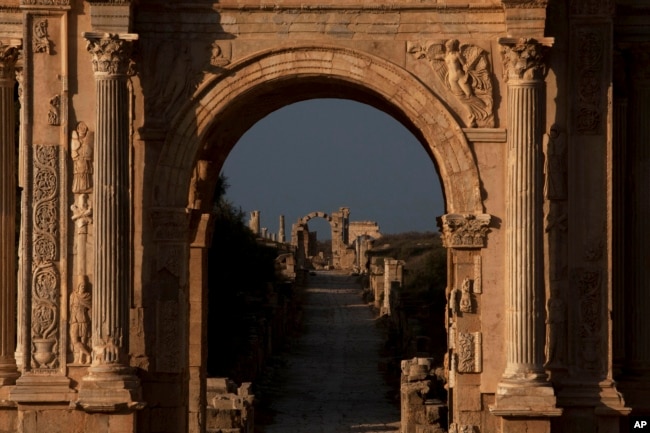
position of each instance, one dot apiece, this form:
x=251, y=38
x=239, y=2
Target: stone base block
x=42, y=389
x=525, y=400
x=525, y=425
x=110, y=391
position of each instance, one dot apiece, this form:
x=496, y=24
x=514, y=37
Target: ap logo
x=640, y=423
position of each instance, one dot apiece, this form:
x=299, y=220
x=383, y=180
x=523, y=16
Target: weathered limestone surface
x=542, y=163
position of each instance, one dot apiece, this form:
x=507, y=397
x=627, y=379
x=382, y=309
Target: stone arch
x=368, y=78
x=226, y=106
x=311, y=215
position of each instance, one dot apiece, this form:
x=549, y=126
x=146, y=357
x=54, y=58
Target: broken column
x=254, y=222
x=281, y=235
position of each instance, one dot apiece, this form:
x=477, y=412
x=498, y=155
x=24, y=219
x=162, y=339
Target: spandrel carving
x=465, y=72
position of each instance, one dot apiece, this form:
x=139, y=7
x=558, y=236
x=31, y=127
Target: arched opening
x=207, y=130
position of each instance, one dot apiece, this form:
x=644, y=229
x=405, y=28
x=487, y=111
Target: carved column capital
x=111, y=52
x=524, y=59
x=9, y=52
x=464, y=230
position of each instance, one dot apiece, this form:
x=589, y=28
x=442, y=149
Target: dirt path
x=332, y=383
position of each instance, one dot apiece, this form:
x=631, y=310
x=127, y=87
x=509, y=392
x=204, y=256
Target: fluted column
x=525, y=68
x=8, y=170
x=112, y=272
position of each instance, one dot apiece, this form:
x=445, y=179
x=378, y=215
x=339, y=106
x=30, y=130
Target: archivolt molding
x=395, y=85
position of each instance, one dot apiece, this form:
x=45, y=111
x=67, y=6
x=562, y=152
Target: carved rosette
x=523, y=59
x=465, y=230
x=111, y=53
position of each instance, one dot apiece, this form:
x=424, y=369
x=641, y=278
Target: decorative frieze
x=465, y=71
x=465, y=230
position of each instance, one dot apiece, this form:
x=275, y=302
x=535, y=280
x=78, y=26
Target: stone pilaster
x=111, y=384
x=524, y=390
x=8, y=168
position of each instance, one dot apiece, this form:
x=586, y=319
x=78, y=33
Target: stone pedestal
x=111, y=385
x=524, y=390
x=8, y=168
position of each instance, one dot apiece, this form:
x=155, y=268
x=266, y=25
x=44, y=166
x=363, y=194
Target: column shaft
x=110, y=322
x=525, y=354
x=8, y=169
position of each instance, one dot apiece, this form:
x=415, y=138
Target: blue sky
x=323, y=154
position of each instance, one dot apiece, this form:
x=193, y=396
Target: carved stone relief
x=53, y=113
x=40, y=42
x=81, y=150
x=218, y=57
x=555, y=167
x=589, y=92
x=464, y=230
x=468, y=352
x=111, y=55
x=45, y=275
x=80, y=307
x=465, y=72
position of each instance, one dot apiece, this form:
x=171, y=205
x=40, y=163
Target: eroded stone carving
x=588, y=282
x=555, y=167
x=204, y=176
x=468, y=351
x=589, y=91
x=217, y=57
x=523, y=59
x=461, y=428
x=41, y=43
x=46, y=203
x=80, y=307
x=81, y=150
x=465, y=71
x=556, y=335
x=169, y=348
x=465, y=230
x=8, y=56
x=465, y=304
x=170, y=224
x=53, y=112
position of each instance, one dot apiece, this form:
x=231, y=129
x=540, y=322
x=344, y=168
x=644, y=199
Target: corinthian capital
x=111, y=52
x=9, y=51
x=524, y=59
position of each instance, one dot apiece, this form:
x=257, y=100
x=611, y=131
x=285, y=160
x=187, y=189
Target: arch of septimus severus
x=535, y=113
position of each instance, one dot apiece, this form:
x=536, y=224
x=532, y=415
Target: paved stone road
x=333, y=383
